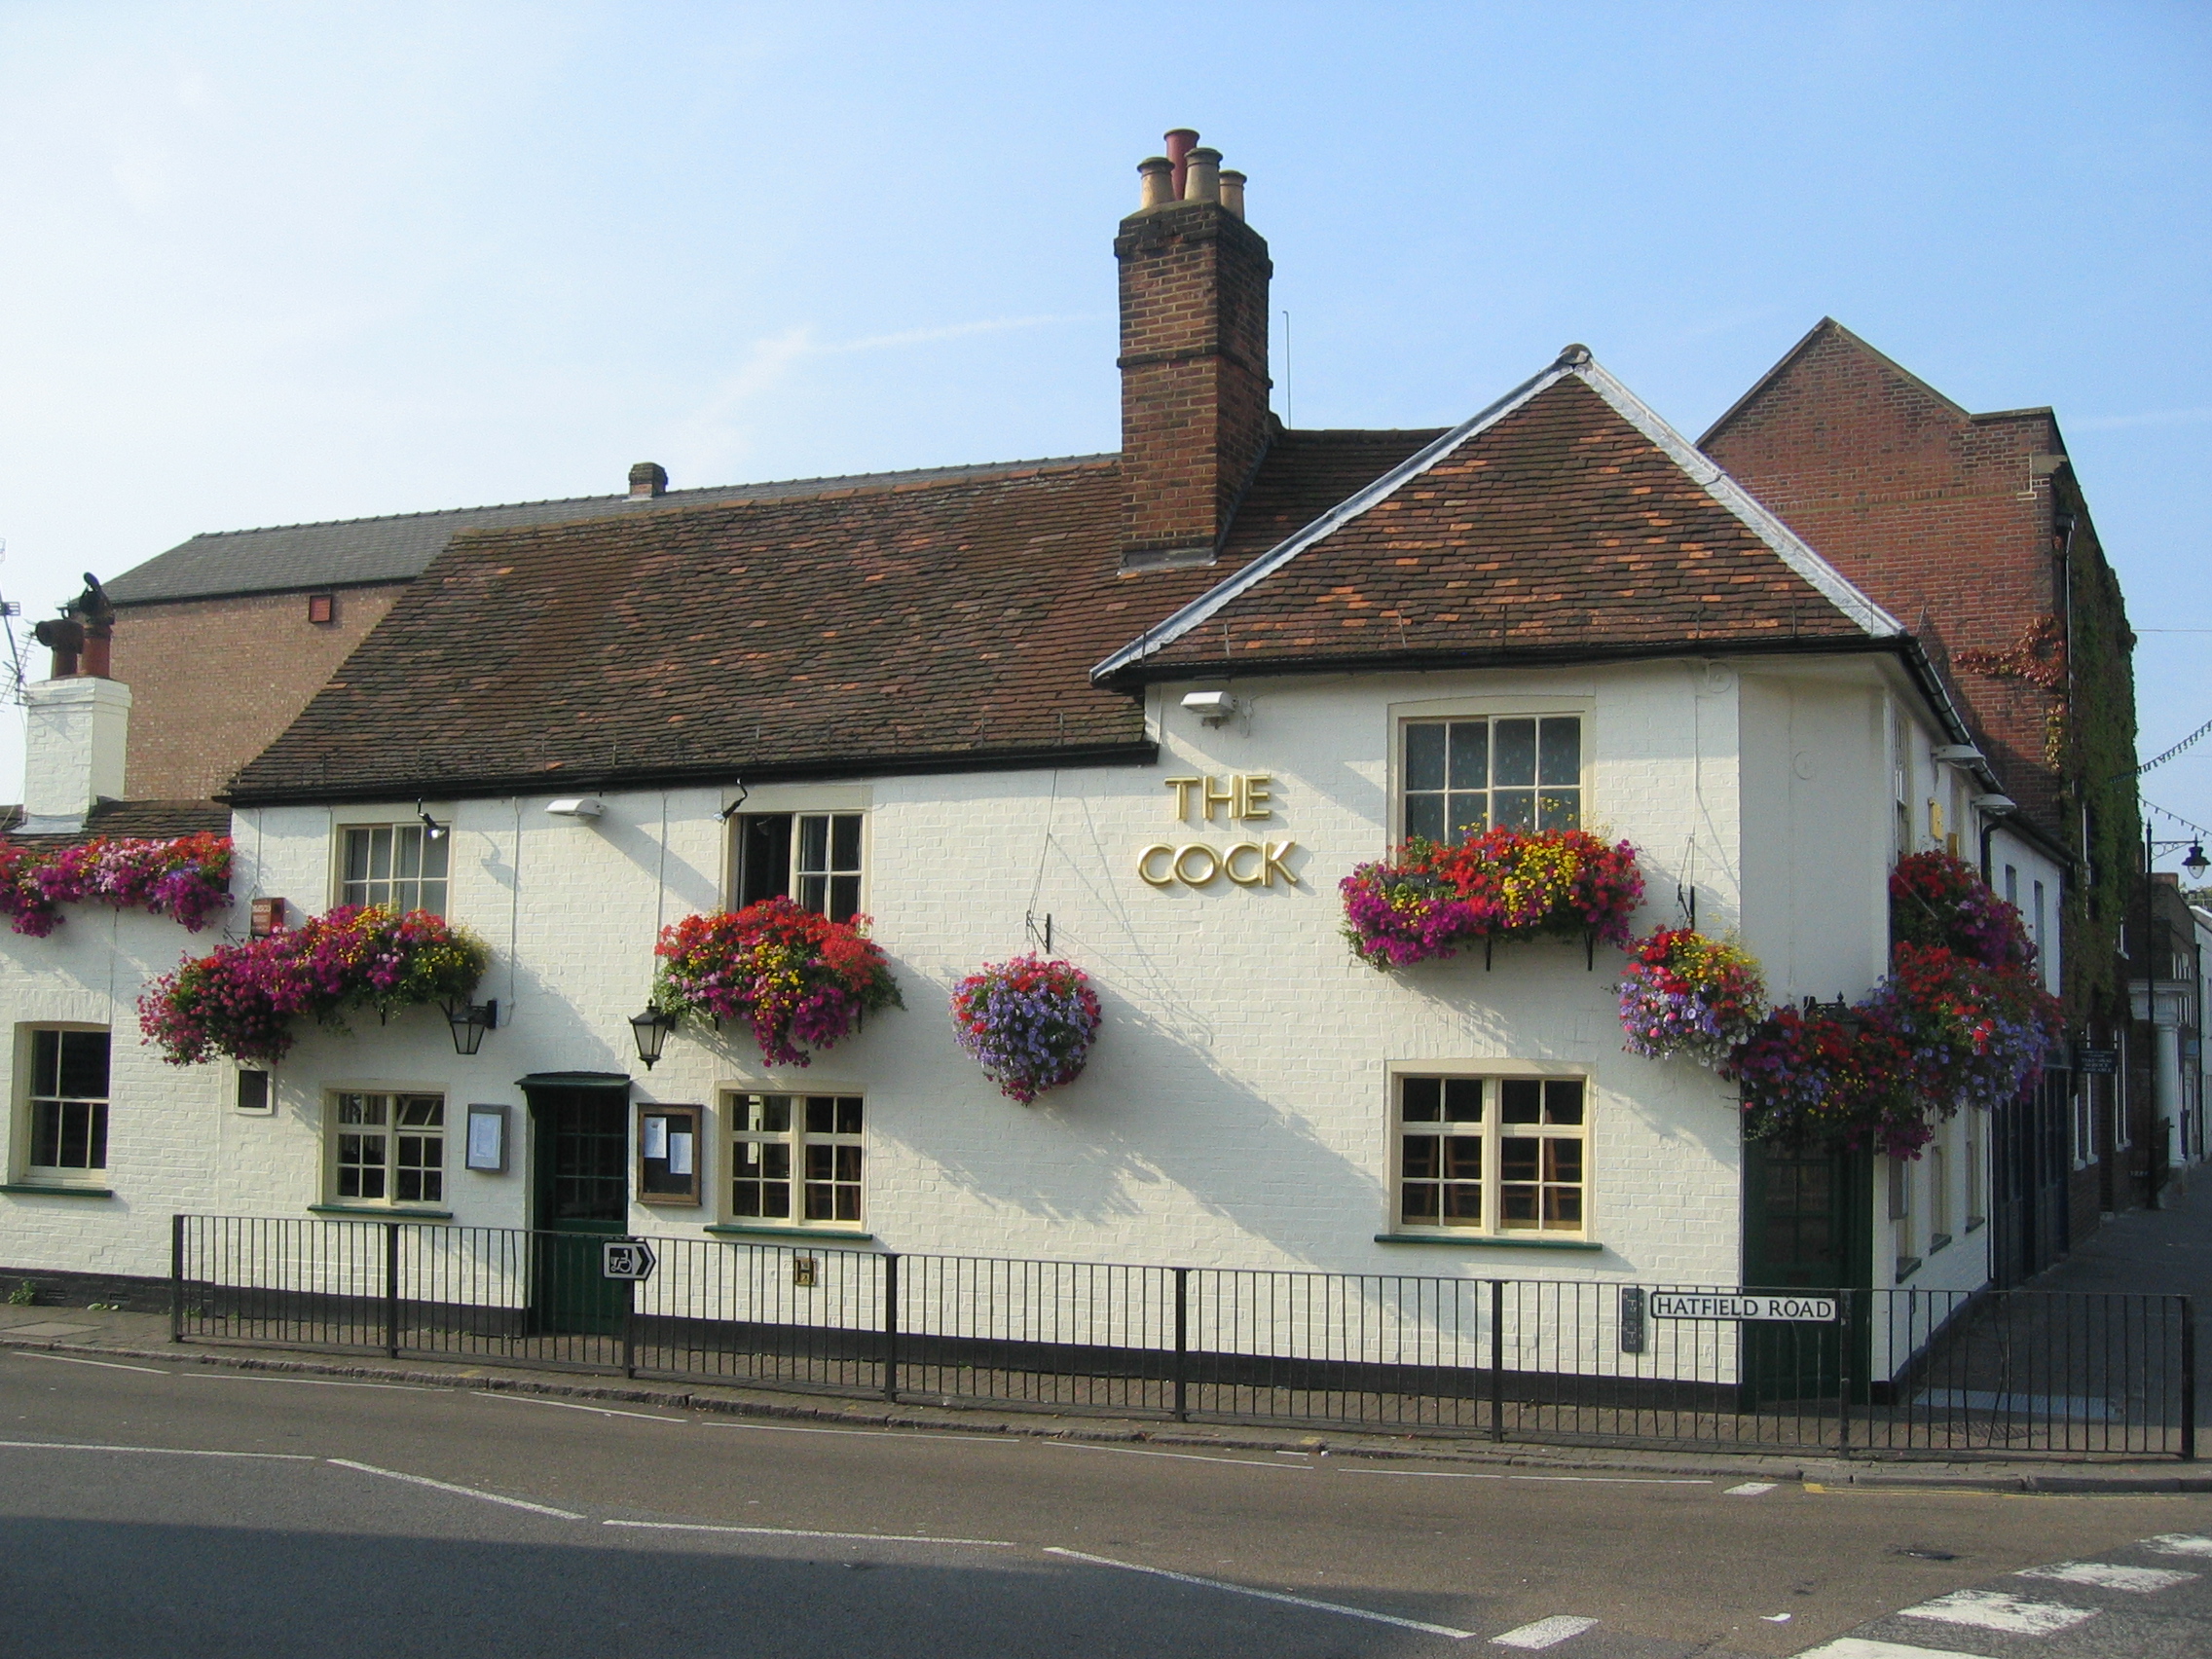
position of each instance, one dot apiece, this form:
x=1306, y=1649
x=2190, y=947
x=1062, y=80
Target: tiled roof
x=139, y=820
x=929, y=621
x=1566, y=521
x=356, y=552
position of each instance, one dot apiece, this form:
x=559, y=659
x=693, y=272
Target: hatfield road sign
x=632, y=1260
x=1749, y=1304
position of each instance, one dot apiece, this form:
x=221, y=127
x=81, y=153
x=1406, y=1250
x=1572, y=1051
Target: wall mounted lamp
x=469, y=1021
x=651, y=1028
x=431, y=827
x=1212, y=707
x=575, y=806
x=1958, y=754
x=2196, y=864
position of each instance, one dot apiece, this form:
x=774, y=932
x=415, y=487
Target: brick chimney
x=78, y=723
x=1195, y=420
x=647, y=479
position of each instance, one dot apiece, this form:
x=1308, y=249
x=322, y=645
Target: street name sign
x=1745, y=1304
x=627, y=1261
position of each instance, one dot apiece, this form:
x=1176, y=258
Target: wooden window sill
x=743, y=1230
x=55, y=1189
x=382, y=1212
x=1488, y=1241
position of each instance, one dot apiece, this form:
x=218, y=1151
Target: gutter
x=557, y=780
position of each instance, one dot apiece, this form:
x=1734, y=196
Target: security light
x=577, y=806
x=1212, y=707
x=431, y=827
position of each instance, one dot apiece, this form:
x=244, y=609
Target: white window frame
x=400, y=825
x=798, y=801
x=1492, y=1132
x=1403, y=716
x=797, y=1140
x=28, y=1100
x=397, y=1098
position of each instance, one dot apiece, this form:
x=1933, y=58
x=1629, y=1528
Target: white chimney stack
x=72, y=752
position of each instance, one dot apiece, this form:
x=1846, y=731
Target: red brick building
x=1972, y=529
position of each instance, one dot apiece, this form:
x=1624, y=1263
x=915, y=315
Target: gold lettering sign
x=1242, y=797
x=1246, y=796
x=1196, y=863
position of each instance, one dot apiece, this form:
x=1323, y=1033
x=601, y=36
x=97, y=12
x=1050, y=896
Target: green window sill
x=738, y=1230
x=381, y=1212
x=55, y=1189
x=1488, y=1241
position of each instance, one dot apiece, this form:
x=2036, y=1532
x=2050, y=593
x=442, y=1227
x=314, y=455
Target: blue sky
x=268, y=262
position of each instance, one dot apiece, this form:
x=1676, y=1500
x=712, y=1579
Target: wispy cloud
x=2154, y=418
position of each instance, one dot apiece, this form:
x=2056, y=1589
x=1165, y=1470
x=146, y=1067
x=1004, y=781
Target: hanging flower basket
x=242, y=1000
x=798, y=976
x=187, y=878
x=1962, y=1020
x=1823, y=1074
x=1503, y=884
x=1977, y=1035
x=1941, y=902
x=1028, y=1022
x=1686, y=994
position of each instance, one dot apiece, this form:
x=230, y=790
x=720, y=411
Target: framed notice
x=668, y=1154
x=487, y=1140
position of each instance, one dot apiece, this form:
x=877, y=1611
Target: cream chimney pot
x=1233, y=192
x=73, y=750
x=1157, y=183
x=1201, y=175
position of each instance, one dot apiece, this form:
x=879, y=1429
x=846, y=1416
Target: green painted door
x=1808, y=1224
x=580, y=1199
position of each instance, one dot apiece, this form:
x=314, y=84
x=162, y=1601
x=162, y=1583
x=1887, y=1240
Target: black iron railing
x=1887, y=1372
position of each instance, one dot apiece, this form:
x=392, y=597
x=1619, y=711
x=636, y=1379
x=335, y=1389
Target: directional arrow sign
x=630, y=1259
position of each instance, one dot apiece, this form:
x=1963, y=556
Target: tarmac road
x=148, y=1509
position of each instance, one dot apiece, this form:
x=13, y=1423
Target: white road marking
x=151, y=1451
x=798, y=1532
x=871, y=1433
x=1185, y=1457
x=603, y=1411
x=1858, y=1648
x=1992, y=1609
x=1266, y=1595
x=1544, y=1633
x=1750, y=1489
x=462, y=1490
x=2180, y=1544
x=103, y=1364
x=298, y=1382
x=1777, y=1618
x=1485, y=1475
x=2141, y=1580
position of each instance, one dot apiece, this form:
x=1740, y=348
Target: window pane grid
x=395, y=865
x=1518, y=772
x=390, y=1148
x=68, y=1099
x=804, y=1147
x=1492, y=1155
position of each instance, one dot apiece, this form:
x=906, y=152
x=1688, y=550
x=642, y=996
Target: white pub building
x=1154, y=706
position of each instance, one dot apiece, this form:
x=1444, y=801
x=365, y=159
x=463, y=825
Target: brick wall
x=212, y=682
x=1941, y=516
x=1195, y=421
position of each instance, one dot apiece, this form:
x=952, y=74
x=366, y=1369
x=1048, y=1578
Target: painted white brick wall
x=1234, y=1112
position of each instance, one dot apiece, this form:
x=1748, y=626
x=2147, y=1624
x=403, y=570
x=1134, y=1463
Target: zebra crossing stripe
x=1992, y=1609
x=1859, y=1647
x=1544, y=1633
x=2180, y=1544
x=2140, y=1580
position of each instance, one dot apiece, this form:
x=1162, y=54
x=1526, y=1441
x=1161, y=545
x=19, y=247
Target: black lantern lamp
x=2196, y=864
x=651, y=1028
x=469, y=1021
x=1847, y=1019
